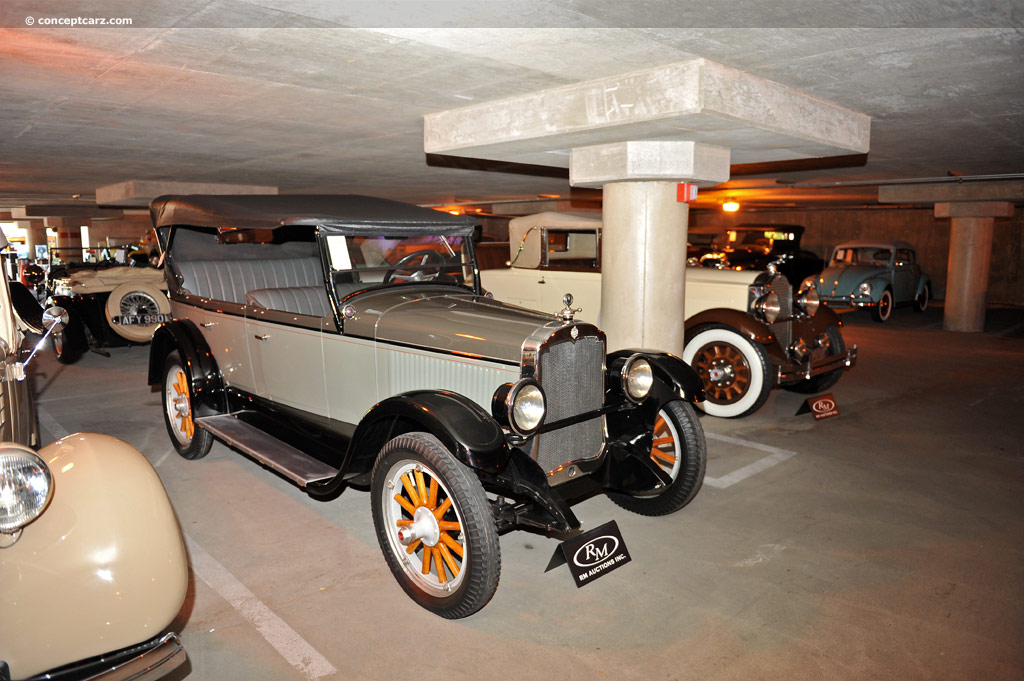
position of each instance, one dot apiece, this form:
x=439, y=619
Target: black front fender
x=207, y=382
x=674, y=378
x=469, y=432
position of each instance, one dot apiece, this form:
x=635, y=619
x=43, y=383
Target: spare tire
x=145, y=306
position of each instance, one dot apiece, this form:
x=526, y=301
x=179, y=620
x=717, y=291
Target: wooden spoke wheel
x=734, y=369
x=435, y=526
x=679, y=448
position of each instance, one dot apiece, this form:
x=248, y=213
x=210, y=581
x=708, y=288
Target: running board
x=267, y=449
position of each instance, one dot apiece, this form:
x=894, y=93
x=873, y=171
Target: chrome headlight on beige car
x=26, y=487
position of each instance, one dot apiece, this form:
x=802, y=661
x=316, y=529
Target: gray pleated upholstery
x=230, y=280
x=311, y=300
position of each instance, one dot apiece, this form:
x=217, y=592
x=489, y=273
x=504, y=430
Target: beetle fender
x=207, y=382
x=469, y=432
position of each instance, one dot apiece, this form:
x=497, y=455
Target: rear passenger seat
x=311, y=300
x=230, y=280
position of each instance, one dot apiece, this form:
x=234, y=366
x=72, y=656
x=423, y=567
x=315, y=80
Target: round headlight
x=864, y=288
x=25, y=487
x=808, y=300
x=768, y=306
x=809, y=282
x=637, y=378
x=526, y=407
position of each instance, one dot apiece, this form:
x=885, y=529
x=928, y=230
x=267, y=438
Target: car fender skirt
x=752, y=328
x=207, y=382
x=469, y=432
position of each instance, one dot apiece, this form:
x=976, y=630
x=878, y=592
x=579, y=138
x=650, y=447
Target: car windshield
x=862, y=255
x=368, y=260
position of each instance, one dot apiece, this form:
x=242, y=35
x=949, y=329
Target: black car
x=753, y=247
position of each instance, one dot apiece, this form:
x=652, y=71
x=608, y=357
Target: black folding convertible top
x=347, y=214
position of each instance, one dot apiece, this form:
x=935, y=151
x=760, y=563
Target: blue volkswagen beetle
x=875, y=275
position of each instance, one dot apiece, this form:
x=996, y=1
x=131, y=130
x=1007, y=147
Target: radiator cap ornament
x=566, y=315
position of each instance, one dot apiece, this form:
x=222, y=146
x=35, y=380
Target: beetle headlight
x=637, y=378
x=865, y=288
x=809, y=282
x=768, y=306
x=808, y=300
x=25, y=487
x=519, y=406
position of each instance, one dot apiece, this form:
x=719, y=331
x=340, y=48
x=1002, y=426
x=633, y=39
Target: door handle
x=262, y=336
x=207, y=325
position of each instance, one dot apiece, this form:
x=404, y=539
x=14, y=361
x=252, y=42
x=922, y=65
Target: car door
x=286, y=352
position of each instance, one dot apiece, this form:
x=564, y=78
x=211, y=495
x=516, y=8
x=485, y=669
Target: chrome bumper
x=810, y=367
x=149, y=661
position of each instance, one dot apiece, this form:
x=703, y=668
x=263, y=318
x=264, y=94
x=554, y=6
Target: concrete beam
x=697, y=101
x=974, y=209
x=63, y=211
x=139, y=193
x=651, y=160
x=952, y=192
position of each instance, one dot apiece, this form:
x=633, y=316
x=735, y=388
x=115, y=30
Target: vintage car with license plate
x=745, y=331
x=93, y=569
x=110, y=300
x=873, y=275
x=344, y=341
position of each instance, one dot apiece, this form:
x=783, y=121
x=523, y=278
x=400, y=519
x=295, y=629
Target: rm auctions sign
x=593, y=554
x=822, y=407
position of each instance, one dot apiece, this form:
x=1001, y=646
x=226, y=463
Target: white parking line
x=740, y=474
x=285, y=640
x=87, y=397
x=51, y=424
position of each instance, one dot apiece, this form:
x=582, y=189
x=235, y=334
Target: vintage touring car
x=344, y=340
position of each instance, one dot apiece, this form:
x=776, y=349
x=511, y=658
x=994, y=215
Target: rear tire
x=922, y=298
x=452, y=563
x=681, y=450
x=135, y=299
x=188, y=440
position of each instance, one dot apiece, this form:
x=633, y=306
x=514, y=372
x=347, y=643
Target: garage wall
x=920, y=227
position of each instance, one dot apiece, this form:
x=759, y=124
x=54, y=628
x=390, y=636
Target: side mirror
x=55, y=318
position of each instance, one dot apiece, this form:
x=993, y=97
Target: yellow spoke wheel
x=435, y=526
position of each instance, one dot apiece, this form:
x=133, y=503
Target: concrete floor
x=887, y=543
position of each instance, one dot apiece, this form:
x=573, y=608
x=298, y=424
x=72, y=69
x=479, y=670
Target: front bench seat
x=307, y=300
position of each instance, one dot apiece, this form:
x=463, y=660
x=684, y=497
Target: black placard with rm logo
x=592, y=554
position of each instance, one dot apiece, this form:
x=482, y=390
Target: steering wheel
x=424, y=257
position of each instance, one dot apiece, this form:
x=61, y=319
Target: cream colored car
x=92, y=564
x=746, y=331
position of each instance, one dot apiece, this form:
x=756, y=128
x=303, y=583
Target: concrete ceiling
x=329, y=96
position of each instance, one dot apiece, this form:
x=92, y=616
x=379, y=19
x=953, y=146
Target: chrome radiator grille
x=783, y=330
x=572, y=375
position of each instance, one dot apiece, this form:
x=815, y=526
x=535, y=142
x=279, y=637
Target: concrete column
x=643, y=245
x=643, y=261
x=970, y=259
x=69, y=231
x=970, y=255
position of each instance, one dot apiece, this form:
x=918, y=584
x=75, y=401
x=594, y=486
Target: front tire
x=822, y=382
x=883, y=310
x=435, y=526
x=190, y=442
x=681, y=450
x=734, y=369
